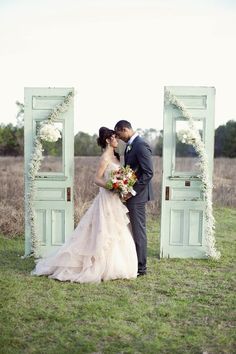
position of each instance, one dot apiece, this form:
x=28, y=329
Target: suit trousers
x=137, y=214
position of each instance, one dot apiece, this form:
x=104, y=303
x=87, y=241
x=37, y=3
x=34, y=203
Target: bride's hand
x=126, y=197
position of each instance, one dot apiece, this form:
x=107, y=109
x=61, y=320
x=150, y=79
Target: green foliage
x=225, y=140
x=184, y=150
x=158, y=148
x=181, y=306
x=86, y=145
x=52, y=148
x=12, y=142
x=225, y=143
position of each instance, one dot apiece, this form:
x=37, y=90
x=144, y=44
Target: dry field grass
x=12, y=189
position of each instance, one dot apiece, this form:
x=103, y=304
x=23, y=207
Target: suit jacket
x=139, y=158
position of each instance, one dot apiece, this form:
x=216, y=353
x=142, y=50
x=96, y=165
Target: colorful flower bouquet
x=122, y=181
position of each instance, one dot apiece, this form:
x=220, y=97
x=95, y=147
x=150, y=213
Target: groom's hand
x=127, y=196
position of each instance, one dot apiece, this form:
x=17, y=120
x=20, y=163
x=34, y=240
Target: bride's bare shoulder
x=104, y=159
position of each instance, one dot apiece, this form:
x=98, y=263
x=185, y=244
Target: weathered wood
x=54, y=212
x=183, y=211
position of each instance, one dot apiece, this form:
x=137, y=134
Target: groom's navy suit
x=139, y=157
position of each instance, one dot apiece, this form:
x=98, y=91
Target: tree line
x=12, y=142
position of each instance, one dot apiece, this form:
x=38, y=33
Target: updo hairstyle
x=106, y=133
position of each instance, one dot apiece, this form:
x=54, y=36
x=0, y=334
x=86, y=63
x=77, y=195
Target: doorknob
x=68, y=193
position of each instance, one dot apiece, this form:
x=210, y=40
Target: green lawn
x=181, y=306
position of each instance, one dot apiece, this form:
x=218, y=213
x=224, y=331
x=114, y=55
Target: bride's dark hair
x=106, y=133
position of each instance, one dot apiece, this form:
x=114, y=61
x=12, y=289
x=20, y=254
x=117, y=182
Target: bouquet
x=122, y=180
x=49, y=132
x=186, y=136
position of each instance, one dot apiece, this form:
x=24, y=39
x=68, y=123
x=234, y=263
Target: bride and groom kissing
x=107, y=243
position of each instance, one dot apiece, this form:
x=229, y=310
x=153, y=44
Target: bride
x=101, y=247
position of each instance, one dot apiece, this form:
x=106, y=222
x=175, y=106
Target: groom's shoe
x=141, y=273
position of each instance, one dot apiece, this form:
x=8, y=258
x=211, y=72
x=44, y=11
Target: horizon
x=118, y=55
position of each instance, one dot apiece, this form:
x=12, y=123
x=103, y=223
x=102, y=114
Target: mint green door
x=53, y=201
x=183, y=203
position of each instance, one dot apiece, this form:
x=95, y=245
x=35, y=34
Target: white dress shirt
x=132, y=138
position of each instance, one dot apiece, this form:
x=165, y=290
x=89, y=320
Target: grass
x=181, y=306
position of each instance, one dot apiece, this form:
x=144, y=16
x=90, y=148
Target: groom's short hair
x=122, y=124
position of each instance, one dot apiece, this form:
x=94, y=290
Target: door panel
x=195, y=227
x=176, y=226
x=58, y=227
x=41, y=218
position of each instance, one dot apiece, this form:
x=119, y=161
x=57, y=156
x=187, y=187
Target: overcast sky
x=118, y=55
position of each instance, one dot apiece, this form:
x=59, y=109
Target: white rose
x=49, y=132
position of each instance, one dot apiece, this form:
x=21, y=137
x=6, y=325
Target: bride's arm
x=99, y=177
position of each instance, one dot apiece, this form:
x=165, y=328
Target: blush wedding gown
x=100, y=248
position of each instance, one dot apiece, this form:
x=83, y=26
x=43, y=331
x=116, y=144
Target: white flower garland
x=47, y=132
x=192, y=136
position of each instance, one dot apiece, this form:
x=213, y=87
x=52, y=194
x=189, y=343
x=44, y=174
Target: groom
x=138, y=156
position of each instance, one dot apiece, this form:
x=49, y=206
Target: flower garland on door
x=193, y=137
x=47, y=132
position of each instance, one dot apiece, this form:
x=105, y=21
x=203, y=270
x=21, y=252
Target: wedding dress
x=100, y=248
